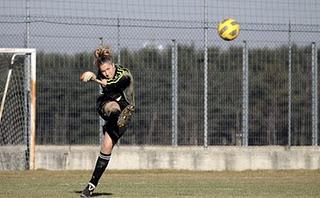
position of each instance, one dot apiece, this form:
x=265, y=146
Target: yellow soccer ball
x=228, y=29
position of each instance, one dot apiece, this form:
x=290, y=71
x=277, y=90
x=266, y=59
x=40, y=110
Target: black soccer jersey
x=119, y=87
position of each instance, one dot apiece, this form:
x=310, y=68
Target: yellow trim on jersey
x=118, y=76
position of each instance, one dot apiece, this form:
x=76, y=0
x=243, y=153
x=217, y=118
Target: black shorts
x=110, y=125
x=100, y=103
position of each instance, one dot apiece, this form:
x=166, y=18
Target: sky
x=246, y=11
x=70, y=24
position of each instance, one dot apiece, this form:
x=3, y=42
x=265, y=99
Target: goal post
x=18, y=108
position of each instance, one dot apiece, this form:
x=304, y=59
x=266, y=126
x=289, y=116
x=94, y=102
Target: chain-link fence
x=260, y=89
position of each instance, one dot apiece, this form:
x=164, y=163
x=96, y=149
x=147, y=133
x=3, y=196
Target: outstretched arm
x=90, y=76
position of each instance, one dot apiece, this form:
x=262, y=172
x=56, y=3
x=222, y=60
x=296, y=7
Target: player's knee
x=111, y=109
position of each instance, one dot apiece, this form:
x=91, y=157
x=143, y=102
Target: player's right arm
x=87, y=76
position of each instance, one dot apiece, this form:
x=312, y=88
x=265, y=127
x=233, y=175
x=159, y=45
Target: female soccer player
x=115, y=105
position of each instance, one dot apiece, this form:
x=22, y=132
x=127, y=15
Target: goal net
x=17, y=108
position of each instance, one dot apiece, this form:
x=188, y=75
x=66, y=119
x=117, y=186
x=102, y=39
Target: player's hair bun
x=103, y=52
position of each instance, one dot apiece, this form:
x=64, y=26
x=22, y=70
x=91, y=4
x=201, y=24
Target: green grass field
x=162, y=183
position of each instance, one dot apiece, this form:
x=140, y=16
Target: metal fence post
x=289, y=85
x=174, y=66
x=27, y=111
x=118, y=41
x=101, y=120
x=27, y=36
x=314, y=95
x=27, y=91
x=205, y=127
x=245, y=95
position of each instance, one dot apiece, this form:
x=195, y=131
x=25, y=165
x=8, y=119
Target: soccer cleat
x=125, y=116
x=87, y=192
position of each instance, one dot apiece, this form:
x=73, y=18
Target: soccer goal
x=17, y=110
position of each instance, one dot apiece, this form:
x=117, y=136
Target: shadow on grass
x=97, y=194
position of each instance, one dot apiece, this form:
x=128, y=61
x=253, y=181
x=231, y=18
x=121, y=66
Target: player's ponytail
x=102, y=55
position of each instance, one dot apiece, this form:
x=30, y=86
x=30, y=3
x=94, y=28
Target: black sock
x=101, y=165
